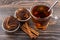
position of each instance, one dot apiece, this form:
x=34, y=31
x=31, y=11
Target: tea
x=41, y=11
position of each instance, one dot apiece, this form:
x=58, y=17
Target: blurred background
x=5, y=2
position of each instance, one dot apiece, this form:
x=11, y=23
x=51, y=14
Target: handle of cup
x=53, y=20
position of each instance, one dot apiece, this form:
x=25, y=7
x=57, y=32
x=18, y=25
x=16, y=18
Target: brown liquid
x=41, y=11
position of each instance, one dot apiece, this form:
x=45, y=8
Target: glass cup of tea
x=40, y=15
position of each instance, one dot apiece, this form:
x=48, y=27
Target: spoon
x=53, y=5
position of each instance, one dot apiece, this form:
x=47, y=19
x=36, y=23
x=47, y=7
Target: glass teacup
x=40, y=15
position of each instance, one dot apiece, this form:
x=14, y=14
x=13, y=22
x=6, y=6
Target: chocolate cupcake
x=10, y=24
x=22, y=14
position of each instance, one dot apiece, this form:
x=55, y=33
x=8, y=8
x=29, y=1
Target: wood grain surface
x=52, y=32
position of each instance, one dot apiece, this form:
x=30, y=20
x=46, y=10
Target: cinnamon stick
x=34, y=31
x=27, y=31
x=31, y=29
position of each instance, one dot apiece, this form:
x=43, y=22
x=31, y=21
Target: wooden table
x=52, y=32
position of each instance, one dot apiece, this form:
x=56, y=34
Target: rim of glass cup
x=12, y=30
x=40, y=3
x=25, y=19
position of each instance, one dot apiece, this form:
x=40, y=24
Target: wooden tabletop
x=52, y=32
